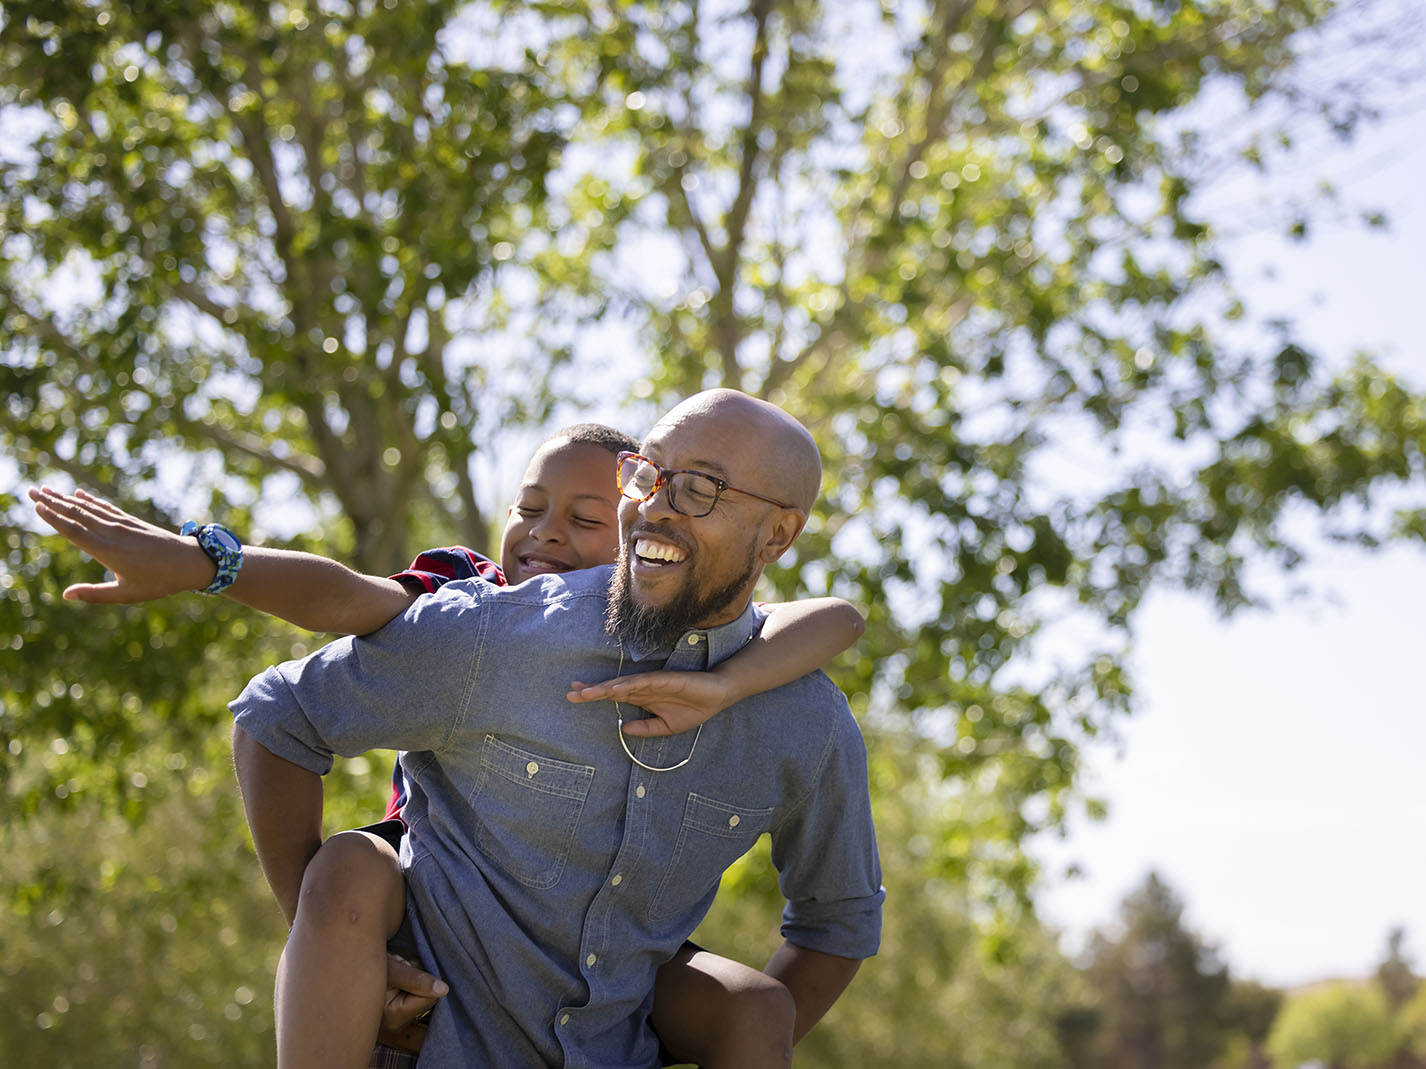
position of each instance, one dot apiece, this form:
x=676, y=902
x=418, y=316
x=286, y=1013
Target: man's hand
x=147, y=561
x=410, y=992
x=676, y=701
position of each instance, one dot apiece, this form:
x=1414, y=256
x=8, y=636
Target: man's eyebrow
x=708, y=466
x=712, y=467
x=651, y=451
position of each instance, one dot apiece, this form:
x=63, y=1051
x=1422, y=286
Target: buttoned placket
x=689, y=654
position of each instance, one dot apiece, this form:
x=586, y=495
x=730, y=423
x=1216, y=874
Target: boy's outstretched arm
x=149, y=562
x=797, y=638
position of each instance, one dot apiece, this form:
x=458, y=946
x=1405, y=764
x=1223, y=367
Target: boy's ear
x=786, y=525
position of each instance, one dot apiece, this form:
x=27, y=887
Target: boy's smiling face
x=565, y=514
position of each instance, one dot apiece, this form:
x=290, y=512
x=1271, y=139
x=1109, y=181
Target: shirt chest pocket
x=527, y=806
x=712, y=836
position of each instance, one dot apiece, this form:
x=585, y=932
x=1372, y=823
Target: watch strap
x=223, y=547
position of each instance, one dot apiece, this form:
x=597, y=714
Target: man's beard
x=659, y=626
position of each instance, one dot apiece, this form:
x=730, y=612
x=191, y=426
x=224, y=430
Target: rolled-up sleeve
x=406, y=686
x=826, y=856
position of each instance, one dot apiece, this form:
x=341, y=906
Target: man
x=552, y=864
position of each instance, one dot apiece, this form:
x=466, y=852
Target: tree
x=1160, y=990
x=302, y=265
x=1394, y=974
x=1247, y=1016
x=1343, y=1026
x=261, y=214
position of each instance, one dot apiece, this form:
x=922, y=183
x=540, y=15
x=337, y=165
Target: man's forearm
x=815, y=979
x=284, y=808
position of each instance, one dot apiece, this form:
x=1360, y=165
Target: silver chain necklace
x=622, y=742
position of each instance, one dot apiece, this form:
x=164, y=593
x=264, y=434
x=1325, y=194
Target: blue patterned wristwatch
x=225, y=549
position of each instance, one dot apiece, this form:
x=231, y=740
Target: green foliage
x=149, y=930
x=1347, y=1026
x=1412, y=1022
x=261, y=213
x=155, y=938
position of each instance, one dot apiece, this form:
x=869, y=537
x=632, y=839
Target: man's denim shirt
x=548, y=876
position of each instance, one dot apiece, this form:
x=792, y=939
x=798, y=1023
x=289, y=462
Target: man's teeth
x=658, y=551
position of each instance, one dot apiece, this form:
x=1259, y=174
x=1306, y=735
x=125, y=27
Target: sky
x=1275, y=772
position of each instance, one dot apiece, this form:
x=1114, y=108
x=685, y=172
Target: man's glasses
x=693, y=493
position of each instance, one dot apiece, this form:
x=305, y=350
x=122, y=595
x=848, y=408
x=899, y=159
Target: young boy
x=332, y=983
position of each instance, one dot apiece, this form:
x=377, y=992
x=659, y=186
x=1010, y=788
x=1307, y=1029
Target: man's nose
x=660, y=504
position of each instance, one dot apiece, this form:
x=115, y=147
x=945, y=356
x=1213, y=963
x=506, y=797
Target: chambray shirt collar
x=698, y=647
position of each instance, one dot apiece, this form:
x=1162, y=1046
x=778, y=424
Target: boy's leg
x=714, y=1012
x=331, y=982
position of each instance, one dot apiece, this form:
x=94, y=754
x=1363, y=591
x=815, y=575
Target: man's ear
x=786, y=525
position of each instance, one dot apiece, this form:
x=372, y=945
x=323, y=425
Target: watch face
x=225, y=539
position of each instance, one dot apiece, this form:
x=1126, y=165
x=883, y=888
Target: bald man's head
x=693, y=561
x=773, y=452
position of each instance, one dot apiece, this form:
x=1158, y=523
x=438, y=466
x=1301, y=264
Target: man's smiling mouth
x=657, y=553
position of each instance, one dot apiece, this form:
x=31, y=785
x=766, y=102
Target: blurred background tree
x=1394, y=975
x=1162, y=997
x=1339, y=1025
x=313, y=268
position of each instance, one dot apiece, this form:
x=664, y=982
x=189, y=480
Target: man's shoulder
x=818, y=683
x=588, y=582
x=558, y=586
x=564, y=604
x=814, y=700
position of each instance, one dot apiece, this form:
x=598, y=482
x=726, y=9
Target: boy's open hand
x=147, y=561
x=675, y=701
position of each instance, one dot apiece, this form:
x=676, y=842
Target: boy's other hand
x=675, y=701
x=148, y=562
x=410, y=992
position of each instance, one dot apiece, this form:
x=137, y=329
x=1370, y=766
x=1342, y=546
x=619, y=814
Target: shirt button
x=617, y=880
x=564, y=1018
x=693, y=640
x=734, y=820
x=639, y=790
x=532, y=768
x=590, y=960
